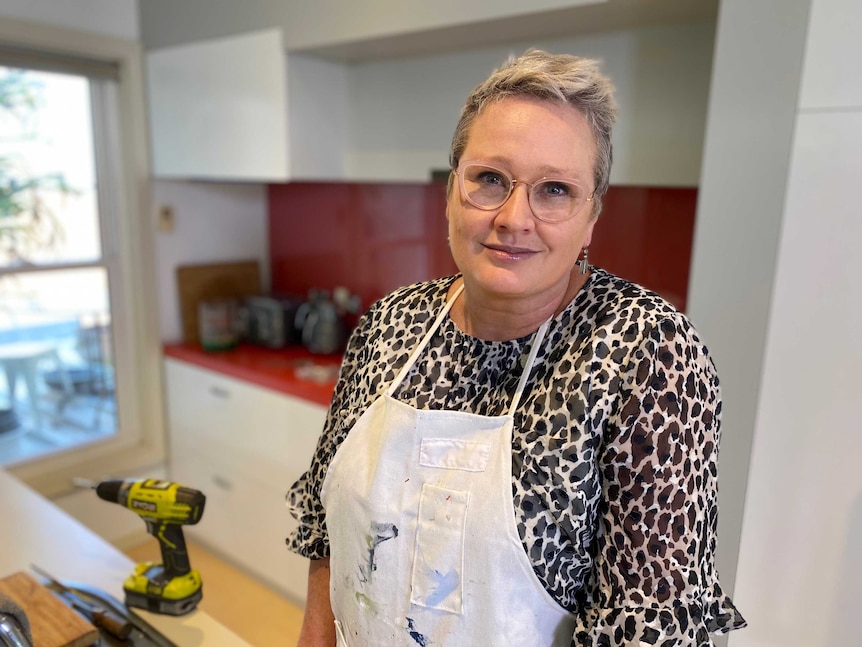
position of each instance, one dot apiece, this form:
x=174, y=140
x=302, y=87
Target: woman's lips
x=507, y=253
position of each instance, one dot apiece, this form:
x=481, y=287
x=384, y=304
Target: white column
x=755, y=85
x=800, y=566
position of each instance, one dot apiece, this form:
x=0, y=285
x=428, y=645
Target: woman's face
x=508, y=253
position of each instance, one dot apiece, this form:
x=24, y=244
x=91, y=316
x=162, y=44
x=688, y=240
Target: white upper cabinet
x=220, y=109
x=240, y=108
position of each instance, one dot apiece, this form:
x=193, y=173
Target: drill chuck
x=109, y=490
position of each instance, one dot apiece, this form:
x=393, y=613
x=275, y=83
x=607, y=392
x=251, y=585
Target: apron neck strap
x=528, y=366
x=525, y=373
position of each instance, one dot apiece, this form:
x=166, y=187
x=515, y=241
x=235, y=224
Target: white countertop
x=35, y=531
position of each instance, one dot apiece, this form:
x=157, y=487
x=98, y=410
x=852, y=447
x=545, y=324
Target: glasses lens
x=485, y=186
x=555, y=200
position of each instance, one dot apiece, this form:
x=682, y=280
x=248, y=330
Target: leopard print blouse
x=615, y=450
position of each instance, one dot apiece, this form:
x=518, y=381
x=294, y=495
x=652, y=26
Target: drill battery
x=149, y=587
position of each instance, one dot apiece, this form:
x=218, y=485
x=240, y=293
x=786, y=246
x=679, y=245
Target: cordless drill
x=172, y=587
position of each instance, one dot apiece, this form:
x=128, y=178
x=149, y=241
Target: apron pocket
x=438, y=562
x=452, y=454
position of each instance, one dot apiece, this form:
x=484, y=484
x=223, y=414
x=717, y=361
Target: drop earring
x=584, y=263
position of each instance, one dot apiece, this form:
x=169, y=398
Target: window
x=79, y=387
x=55, y=317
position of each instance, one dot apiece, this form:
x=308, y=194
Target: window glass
x=48, y=205
x=57, y=390
x=57, y=387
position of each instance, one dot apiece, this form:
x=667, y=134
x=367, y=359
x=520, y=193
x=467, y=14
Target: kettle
x=323, y=328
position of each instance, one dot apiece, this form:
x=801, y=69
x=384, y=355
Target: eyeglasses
x=551, y=199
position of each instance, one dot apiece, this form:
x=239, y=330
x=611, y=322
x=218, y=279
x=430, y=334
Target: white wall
x=118, y=18
x=403, y=112
x=800, y=566
x=213, y=222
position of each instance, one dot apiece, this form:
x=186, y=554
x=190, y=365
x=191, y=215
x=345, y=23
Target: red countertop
x=292, y=370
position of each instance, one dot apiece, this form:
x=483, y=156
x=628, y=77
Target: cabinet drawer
x=206, y=400
x=270, y=437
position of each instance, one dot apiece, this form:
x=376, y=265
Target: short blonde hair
x=574, y=81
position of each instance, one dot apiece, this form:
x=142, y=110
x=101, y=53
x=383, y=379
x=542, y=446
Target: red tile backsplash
x=373, y=238
x=370, y=238
x=645, y=234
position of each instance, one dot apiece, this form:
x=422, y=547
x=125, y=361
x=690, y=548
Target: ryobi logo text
x=143, y=505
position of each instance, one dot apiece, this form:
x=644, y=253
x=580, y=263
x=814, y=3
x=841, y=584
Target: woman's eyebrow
x=546, y=170
x=553, y=171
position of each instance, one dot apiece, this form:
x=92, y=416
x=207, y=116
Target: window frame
x=140, y=440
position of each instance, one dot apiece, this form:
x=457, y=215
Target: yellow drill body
x=172, y=587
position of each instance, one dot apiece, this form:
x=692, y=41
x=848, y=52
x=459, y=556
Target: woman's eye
x=489, y=177
x=556, y=189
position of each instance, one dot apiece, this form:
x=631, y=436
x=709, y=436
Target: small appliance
x=324, y=330
x=271, y=321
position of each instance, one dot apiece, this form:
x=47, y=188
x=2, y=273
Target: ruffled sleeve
x=653, y=580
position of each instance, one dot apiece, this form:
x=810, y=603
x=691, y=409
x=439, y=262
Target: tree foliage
x=27, y=224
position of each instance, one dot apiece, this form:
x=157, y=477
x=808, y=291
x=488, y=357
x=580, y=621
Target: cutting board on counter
x=52, y=623
x=213, y=282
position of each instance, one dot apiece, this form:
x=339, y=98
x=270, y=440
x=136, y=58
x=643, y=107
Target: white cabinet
x=243, y=446
x=218, y=109
x=238, y=108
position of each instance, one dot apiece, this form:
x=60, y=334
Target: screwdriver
x=106, y=619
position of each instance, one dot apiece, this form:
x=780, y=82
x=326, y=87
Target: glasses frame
x=512, y=184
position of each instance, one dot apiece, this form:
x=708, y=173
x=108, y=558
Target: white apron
x=424, y=545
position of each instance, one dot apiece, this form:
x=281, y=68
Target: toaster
x=271, y=321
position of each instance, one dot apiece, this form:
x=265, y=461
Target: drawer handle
x=219, y=392
x=223, y=483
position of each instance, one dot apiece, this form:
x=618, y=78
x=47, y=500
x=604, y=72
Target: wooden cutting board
x=213, y=282
x=52, y=622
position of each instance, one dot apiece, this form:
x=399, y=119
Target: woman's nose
x=516, y=213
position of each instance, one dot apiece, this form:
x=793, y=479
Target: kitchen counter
x=35, y=531
x=293, y=370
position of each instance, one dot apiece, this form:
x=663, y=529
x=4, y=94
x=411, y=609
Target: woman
x=525, y=453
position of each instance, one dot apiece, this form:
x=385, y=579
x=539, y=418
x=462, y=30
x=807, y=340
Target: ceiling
x=562, y=23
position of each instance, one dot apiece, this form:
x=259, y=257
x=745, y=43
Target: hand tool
x=172, y=587
x=143, y=634
x=101, y=618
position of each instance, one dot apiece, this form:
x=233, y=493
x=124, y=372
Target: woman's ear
x=588, y=234
x=450, y=185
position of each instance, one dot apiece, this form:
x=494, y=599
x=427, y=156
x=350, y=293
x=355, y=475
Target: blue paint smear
x=420, y=640
x=381, y=532
x=445, y=585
